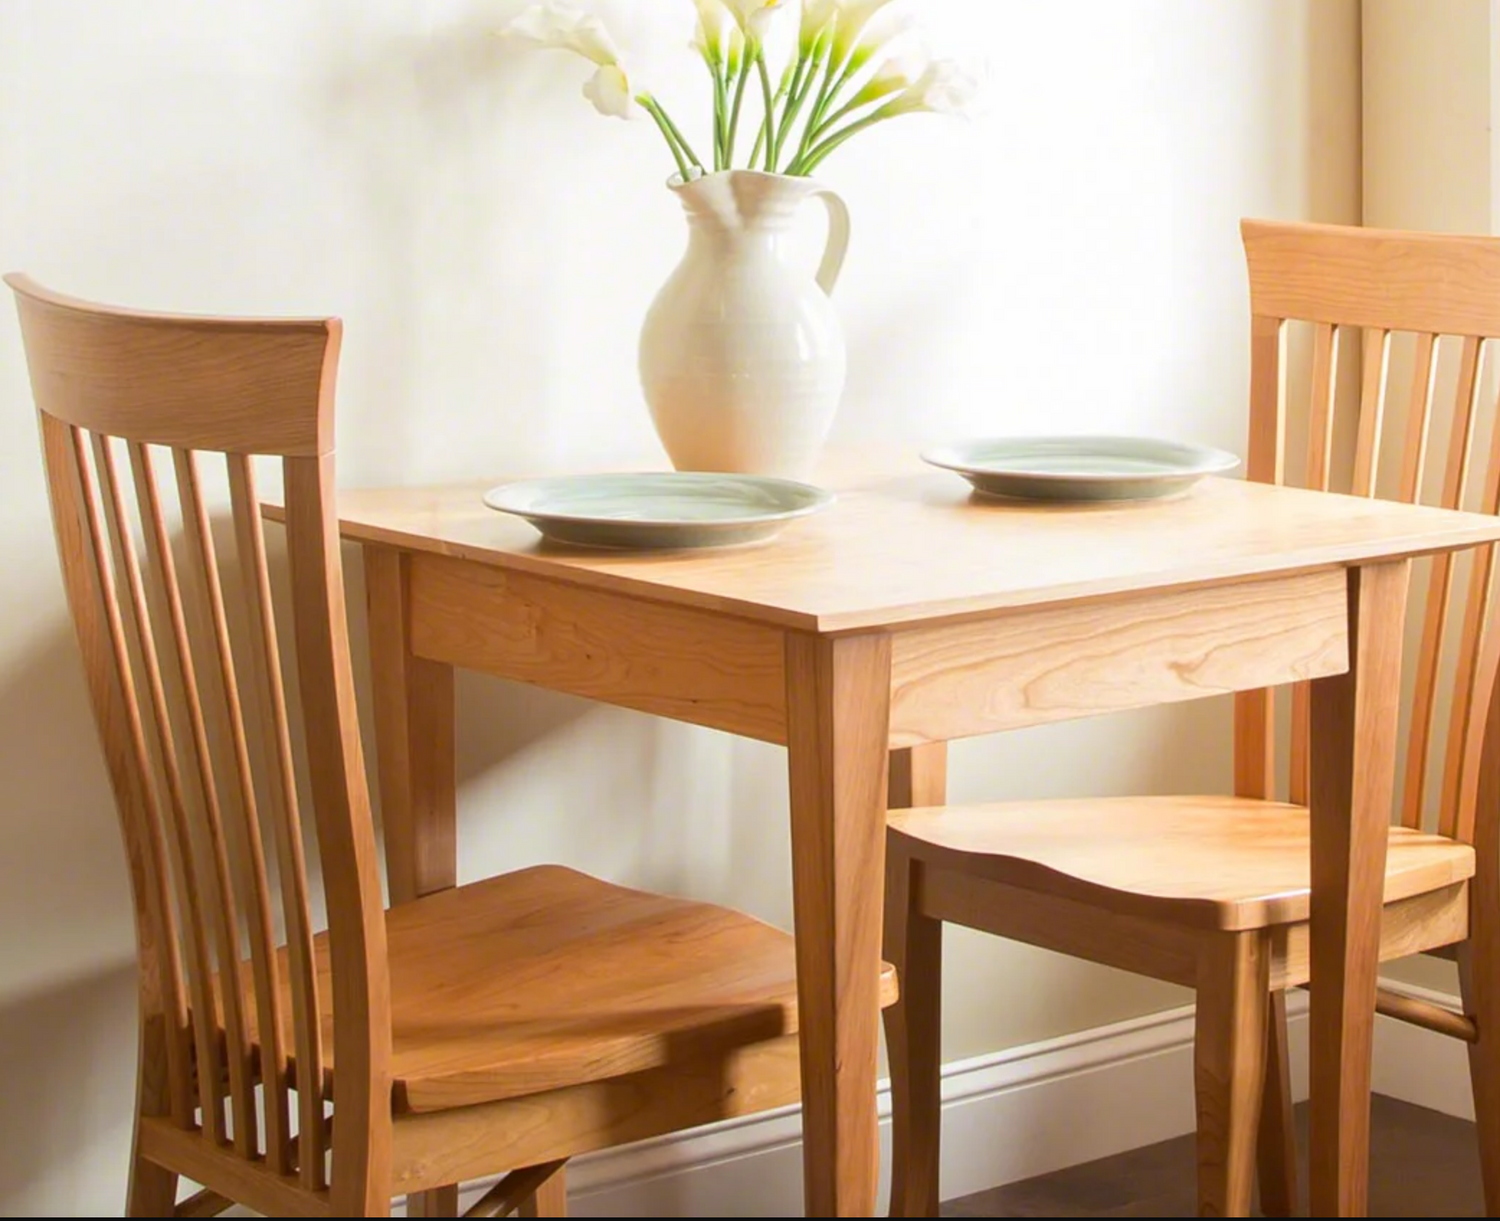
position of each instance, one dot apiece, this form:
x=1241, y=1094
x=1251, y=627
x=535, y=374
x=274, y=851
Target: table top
x=909, y=544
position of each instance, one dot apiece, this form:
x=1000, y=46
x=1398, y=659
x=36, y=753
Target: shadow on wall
x=453, y=99
x=67, y=975
x=64, y=888
x=67, y=1054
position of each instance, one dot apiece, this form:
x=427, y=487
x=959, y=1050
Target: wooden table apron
x=845, y=705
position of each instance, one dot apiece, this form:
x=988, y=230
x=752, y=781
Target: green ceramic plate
x=663, y=509
x=1080, y=468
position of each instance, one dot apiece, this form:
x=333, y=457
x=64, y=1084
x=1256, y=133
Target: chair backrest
x=188, y=694
x=1433, y=300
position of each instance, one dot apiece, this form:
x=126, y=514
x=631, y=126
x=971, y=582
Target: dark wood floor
x=1423, y=1164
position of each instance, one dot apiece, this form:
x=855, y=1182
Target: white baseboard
x=1006, y=1117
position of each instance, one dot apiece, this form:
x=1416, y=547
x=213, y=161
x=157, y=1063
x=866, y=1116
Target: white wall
x=1428, y=69
x=1430, y=160
x=1068, y=262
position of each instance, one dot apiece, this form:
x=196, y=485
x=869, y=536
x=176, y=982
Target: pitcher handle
x=838, y=239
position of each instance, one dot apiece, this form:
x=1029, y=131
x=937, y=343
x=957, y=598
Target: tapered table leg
x=838, y=727
x=1353, y=751
x=414, y=734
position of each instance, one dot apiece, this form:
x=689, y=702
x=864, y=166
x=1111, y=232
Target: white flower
x=895, y=75
x=752, y=17
x=883, y=30
x=609, y=90
x=945, y=87
x=817, y=16
x=561, y=27
x=708, y=38
x=853, y=16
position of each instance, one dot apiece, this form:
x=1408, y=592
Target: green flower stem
x=821, y=120
x=852, y=65
x=760, y=143
x=815, y=116
x=859, y=99
x=787, y=87
x=680, y=150
x=809, y=161
x=721, y=104
x=853, y=103
x=734, y=113
x=677, y=135
x=801, y=87
x=651, y=109
x=768, y=124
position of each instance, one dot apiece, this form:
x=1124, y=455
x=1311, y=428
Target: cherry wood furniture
x=906, y=615
x=501, y=1026
x=1219, y=893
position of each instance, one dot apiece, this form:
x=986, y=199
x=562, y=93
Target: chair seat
x=547, y=977
x=1212, y=862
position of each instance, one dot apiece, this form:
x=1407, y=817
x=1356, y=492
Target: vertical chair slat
x=219, y=918
x=1474, y=763
x=241, y=822
x=1297, y=767
x=1466, y=692
x=1254, y=711
x=1467, y=696
x=1418, y=418
x=361, y=983
x=1320, y=424
x=91, y=591
x=136, y=623
x=1377, y=363
x=1320, y=408
x=1418, y=423
x=263, y=652
x=1440, y=586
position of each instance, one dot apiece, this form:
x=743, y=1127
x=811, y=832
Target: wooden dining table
x=908, y=614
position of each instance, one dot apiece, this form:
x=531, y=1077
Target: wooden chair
x=1213, y=892
x=503, y=1026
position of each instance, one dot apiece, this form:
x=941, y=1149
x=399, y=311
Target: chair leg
x=152, y=1191
x=439, y=1202
x=1276, y=1148
x=914, y=946
x=550, y=1199
x=1229, y=1068
x=1479, y=978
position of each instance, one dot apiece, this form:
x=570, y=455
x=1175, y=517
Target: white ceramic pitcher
x=742, y=355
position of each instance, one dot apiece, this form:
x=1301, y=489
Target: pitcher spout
x=739, y=201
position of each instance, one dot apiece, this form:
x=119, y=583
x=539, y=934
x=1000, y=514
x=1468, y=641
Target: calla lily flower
x=817, y=17
x=752, y=17
x=708, y=38
x=843, y=76
x=558, y=25
x=945, y=87
x=609, y=90
x=561, y=27
x=882, y=31
x=895, y=75
x=853, y=17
